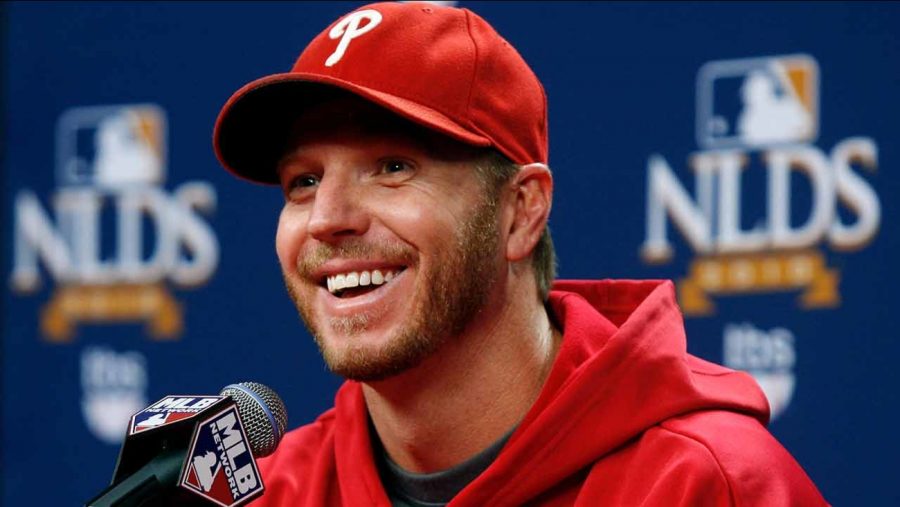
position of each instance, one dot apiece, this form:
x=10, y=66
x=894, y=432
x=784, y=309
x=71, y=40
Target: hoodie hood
x=625, y=417
x=622, y=368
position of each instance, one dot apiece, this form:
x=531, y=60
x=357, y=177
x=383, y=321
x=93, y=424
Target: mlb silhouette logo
x=757, y=102
x=111, y=146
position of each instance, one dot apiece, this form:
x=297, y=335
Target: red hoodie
x=626, y=417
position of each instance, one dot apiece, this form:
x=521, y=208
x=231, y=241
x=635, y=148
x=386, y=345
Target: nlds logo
x=757, y=118
x=220, y=464
x=113, y=235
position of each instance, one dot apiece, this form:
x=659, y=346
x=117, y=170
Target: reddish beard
x=448, y=296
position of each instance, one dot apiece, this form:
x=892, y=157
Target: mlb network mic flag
x=219, y=464
x=215, y=464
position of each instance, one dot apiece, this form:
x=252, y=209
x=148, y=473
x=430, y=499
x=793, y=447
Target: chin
x=367, y=356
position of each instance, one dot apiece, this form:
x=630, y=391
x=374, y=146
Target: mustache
x=355, y=249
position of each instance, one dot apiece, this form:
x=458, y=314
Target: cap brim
x=251, y=132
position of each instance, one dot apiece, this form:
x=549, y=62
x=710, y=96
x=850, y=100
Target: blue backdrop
x=747, y=151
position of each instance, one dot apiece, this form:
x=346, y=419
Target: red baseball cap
x=441, y=67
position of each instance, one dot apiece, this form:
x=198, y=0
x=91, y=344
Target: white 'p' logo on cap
x=348, y=29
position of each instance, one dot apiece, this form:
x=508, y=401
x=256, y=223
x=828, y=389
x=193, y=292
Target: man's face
x=387, y=243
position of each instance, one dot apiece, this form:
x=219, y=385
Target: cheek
x=423, y=224
x=426, y=211
x=288, y=238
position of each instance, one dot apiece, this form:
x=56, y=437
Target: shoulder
x=704, y=458
x=300, y=445
x=301, y=452
x=738, y=451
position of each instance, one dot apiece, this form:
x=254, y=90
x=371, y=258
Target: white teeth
x=358, y=279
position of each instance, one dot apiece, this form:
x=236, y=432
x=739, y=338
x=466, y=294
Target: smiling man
x=389, y=238
x=410, y=143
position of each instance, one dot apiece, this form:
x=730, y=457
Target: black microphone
x=197, y=450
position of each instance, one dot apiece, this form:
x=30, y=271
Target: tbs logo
x=769, y=356
x=221, y=467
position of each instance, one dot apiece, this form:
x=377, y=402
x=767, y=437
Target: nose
x=337, y=211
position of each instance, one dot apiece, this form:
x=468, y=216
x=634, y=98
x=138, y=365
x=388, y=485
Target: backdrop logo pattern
x=118, y=235
x=757, y=102
x=767, y=355
x=759, y=116
x=114, y=386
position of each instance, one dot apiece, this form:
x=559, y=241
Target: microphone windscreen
x=262, y=413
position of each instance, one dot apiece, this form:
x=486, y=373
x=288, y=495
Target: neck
x=475, y=389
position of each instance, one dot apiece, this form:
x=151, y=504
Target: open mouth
x=357, y=283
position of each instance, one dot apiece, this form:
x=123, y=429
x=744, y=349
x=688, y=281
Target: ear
x=532, y=195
